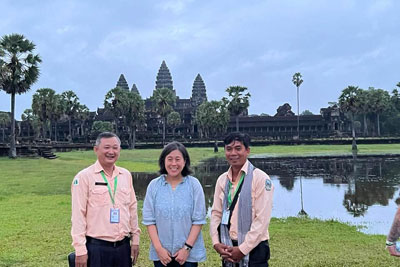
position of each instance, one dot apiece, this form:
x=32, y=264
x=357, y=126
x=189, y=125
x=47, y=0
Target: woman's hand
x=181, y=256
x=164, y=256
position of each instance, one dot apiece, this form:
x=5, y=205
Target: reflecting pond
x=362, y=191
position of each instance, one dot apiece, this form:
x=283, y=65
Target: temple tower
x=122, y=83
x=134, y=89
x=164, y=78
x=199, y=94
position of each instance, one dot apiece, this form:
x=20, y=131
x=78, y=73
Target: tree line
x=19, y=70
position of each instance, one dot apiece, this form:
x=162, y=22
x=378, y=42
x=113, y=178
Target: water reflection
x=359, y=190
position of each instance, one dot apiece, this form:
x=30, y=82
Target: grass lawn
x=35, y=213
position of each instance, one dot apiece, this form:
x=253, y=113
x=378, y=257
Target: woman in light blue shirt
x=174, y=211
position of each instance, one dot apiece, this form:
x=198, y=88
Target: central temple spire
x=164, y=78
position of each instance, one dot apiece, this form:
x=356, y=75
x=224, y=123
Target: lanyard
x=112, y=196
x=236, y=189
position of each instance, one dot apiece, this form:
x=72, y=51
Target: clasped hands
x=165, y=256
x=228, y=253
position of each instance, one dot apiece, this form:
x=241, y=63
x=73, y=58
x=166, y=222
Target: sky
x=86, y=45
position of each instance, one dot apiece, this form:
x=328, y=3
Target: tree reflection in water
x=370, y=180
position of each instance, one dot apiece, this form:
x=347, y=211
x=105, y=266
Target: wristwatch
x=187, y=247
x=389, y=243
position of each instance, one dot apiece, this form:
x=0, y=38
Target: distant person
x=242, y=206
x=105, y=228
x=174, y=211
x=394, y=235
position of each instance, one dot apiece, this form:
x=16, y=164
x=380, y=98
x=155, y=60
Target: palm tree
x=114, y=102
x=173, y=120
x=4, y=121
x=349, y=102
x=70, y=105
x=82, y=115
x=44, y=103
x=134, y=115
x=237, y=101
x=380, y=100
x=297, y=81
x=18, y=71
x=212, y=118
x=163, y=100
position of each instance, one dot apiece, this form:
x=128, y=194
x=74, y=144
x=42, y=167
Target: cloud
x=176, y=6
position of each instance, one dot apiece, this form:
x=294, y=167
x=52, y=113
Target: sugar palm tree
x=70, y=105
x=297, y=81
x=18, y=71
x=44, y=103
x=163, y=99
x=237, y=101
x=349, y=102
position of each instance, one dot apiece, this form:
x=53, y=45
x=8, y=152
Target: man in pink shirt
x=104, y=219
x=242, y=206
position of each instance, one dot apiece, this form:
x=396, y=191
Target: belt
x=105, y=243
x=235, y=242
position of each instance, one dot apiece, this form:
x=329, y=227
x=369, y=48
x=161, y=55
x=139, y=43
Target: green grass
x=35, y=213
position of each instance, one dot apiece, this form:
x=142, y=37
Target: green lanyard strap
x=112, y=196
x=236, y=189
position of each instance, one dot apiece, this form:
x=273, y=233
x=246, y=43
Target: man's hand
x=164, y=256
x=393, y=251
x=223, y=250
x=81, y=261
x=181, y=256
x=134, y=253
x=237, y=255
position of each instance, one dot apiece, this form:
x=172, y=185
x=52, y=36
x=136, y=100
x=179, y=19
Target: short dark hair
x=237, y=136
x=106, y=135
x=168, y=149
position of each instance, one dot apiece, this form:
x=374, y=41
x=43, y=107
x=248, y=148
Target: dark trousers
x=103, y=255
x=174, y=263
x=259, y=256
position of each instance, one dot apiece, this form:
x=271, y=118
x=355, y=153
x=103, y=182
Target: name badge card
x=114, y=215
x=225, y=217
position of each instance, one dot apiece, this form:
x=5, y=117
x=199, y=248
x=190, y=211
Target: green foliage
x=306, y=112
x=128, y=106
x=69, y=102
x=163, y=100
x=101, y=126
x=18, y=71
x=45, y=103
x=297, y=79
x=237, y=101
x=212, y=118
x=174, y=120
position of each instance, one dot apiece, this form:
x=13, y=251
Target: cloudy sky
x=86, y=45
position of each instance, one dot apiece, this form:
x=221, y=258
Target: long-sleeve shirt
x=91, y=206
x=173, y=212
x=261, y=199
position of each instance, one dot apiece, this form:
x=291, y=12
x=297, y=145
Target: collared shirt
x=261, y=199
x=174, y=212
x=91, y=205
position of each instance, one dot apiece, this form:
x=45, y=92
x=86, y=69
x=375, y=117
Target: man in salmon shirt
x=104, y=219
x=242, y=206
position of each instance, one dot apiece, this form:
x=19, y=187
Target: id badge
x=114, y=215
x=225, y=217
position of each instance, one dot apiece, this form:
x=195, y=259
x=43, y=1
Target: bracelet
x=389, y=243
x=189, y=246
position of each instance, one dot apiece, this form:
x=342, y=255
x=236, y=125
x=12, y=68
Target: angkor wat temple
x=282, y=126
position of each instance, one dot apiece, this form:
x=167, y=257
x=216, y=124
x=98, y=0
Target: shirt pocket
x=124, y=196
x=100, y=196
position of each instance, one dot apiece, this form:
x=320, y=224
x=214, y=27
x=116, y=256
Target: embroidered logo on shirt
x=76, y=181
x=268, y=185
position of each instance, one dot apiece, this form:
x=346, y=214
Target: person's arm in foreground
x=394, y=235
